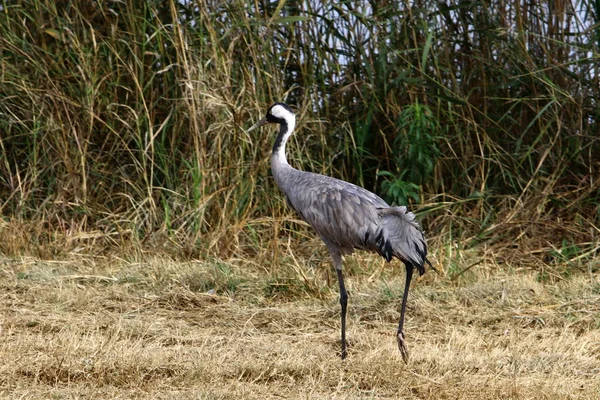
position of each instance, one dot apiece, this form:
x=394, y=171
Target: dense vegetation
x=122, y=122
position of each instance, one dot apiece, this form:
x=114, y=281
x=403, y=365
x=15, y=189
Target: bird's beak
x=258, y=124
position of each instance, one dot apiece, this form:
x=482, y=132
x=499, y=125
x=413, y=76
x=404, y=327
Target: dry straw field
x=145, y=251
x=111, y=328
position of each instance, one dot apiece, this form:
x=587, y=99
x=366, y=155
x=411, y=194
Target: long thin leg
x=400, y=335
x=337, y=263
x=344, y=304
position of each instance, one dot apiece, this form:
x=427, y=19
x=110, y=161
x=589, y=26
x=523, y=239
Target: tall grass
x=122, y=123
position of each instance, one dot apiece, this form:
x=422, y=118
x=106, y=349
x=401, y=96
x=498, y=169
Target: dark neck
x=283, y=128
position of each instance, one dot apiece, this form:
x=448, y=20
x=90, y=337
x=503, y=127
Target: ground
x=163, y=329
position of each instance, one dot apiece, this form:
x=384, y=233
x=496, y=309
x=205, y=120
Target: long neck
x=285, y=130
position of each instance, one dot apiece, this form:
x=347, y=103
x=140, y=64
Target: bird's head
x=278, y=113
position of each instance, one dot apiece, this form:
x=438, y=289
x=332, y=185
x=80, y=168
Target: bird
x=346, y=217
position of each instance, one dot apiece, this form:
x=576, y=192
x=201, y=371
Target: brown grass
x=111, y=328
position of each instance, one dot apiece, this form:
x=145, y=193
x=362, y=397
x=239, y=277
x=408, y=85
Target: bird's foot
x=402, y=346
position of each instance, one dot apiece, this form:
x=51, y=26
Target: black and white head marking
x=280, y=113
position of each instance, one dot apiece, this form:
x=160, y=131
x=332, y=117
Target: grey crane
x=346, y=217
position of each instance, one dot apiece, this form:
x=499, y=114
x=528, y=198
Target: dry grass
x=108, y=328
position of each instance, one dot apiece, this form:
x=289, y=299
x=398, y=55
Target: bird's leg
x=344, y=304
x=337, y=263
x=400, y=334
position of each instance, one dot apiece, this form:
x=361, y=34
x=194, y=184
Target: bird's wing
x=343, y=214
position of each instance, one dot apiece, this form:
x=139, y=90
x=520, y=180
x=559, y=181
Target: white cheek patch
x=280, y=112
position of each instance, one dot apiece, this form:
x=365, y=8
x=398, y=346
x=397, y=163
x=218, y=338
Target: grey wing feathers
x=404, y=235
x=340, y=212
x=347, y=216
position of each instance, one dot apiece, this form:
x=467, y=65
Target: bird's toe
x=402, y=346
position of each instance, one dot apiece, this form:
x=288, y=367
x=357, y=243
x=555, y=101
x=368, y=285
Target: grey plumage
x=350, y=217
x=347, y=217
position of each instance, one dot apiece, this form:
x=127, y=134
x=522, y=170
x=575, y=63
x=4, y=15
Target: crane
x=346, y=217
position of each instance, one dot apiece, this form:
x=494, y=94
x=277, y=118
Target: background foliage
x=122, y=122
